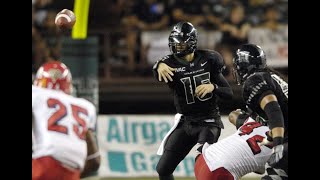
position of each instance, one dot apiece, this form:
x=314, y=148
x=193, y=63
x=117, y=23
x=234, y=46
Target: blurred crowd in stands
x=122, y=22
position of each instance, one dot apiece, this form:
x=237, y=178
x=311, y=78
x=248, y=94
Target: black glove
x=261, y=120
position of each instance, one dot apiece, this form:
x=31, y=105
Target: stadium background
x=111, y=57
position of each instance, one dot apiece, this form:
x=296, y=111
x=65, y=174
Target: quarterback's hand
x=277, y=154
x=165, y=72
x=204, y=89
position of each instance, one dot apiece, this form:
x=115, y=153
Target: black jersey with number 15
x=204, y=69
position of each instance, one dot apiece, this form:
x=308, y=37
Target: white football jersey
x=240, y=153
x=60, y=123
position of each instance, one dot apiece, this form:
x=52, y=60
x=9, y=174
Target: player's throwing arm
x=165, y=72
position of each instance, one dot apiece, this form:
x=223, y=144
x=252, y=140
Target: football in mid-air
x=65, y=19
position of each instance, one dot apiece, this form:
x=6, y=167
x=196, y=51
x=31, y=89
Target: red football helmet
x=54, y=75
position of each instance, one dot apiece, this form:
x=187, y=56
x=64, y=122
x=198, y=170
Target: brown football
x=65, y=19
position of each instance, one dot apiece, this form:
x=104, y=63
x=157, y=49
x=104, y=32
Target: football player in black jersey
x=266, y=95
x=195, y=78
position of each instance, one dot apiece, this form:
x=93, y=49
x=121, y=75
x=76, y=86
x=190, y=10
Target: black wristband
x=277, y=141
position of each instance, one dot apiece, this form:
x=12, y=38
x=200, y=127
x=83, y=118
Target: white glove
x=277, y=154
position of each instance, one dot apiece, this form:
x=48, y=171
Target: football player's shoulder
x=255, y=78
x=208, y=52
x=35, y=88
x=36, y=93
x=39, y=90
x=40, y=95
x=256, y=84
x=213, y=56
x=87, y=103
x=166, y=58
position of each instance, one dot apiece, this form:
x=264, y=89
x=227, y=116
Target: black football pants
x=181, y=141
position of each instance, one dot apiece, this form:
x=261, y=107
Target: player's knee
x=169, y=177
x=163, y=171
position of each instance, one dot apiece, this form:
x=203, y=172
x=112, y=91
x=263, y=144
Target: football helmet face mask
x=183, y=39
x=249, y=59
x=54, y=75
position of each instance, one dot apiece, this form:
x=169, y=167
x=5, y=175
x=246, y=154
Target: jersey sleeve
x=164, y=59
x=93, y=118
x=255, y=88
x=35, y=97
x=216, y=61
x=222, y=87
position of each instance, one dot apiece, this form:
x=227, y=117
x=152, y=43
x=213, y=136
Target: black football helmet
x=249, y=58
x=183, y=39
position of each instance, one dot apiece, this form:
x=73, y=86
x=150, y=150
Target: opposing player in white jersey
x=241, y=153
x=62, y=125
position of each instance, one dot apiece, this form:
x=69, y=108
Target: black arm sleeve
x=274, y=113
x=222, y=87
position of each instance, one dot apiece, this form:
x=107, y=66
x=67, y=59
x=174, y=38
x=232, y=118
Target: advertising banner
x=129, y=144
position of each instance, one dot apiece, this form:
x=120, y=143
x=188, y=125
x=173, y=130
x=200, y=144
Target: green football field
x=157, y=178
x=153, y=179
